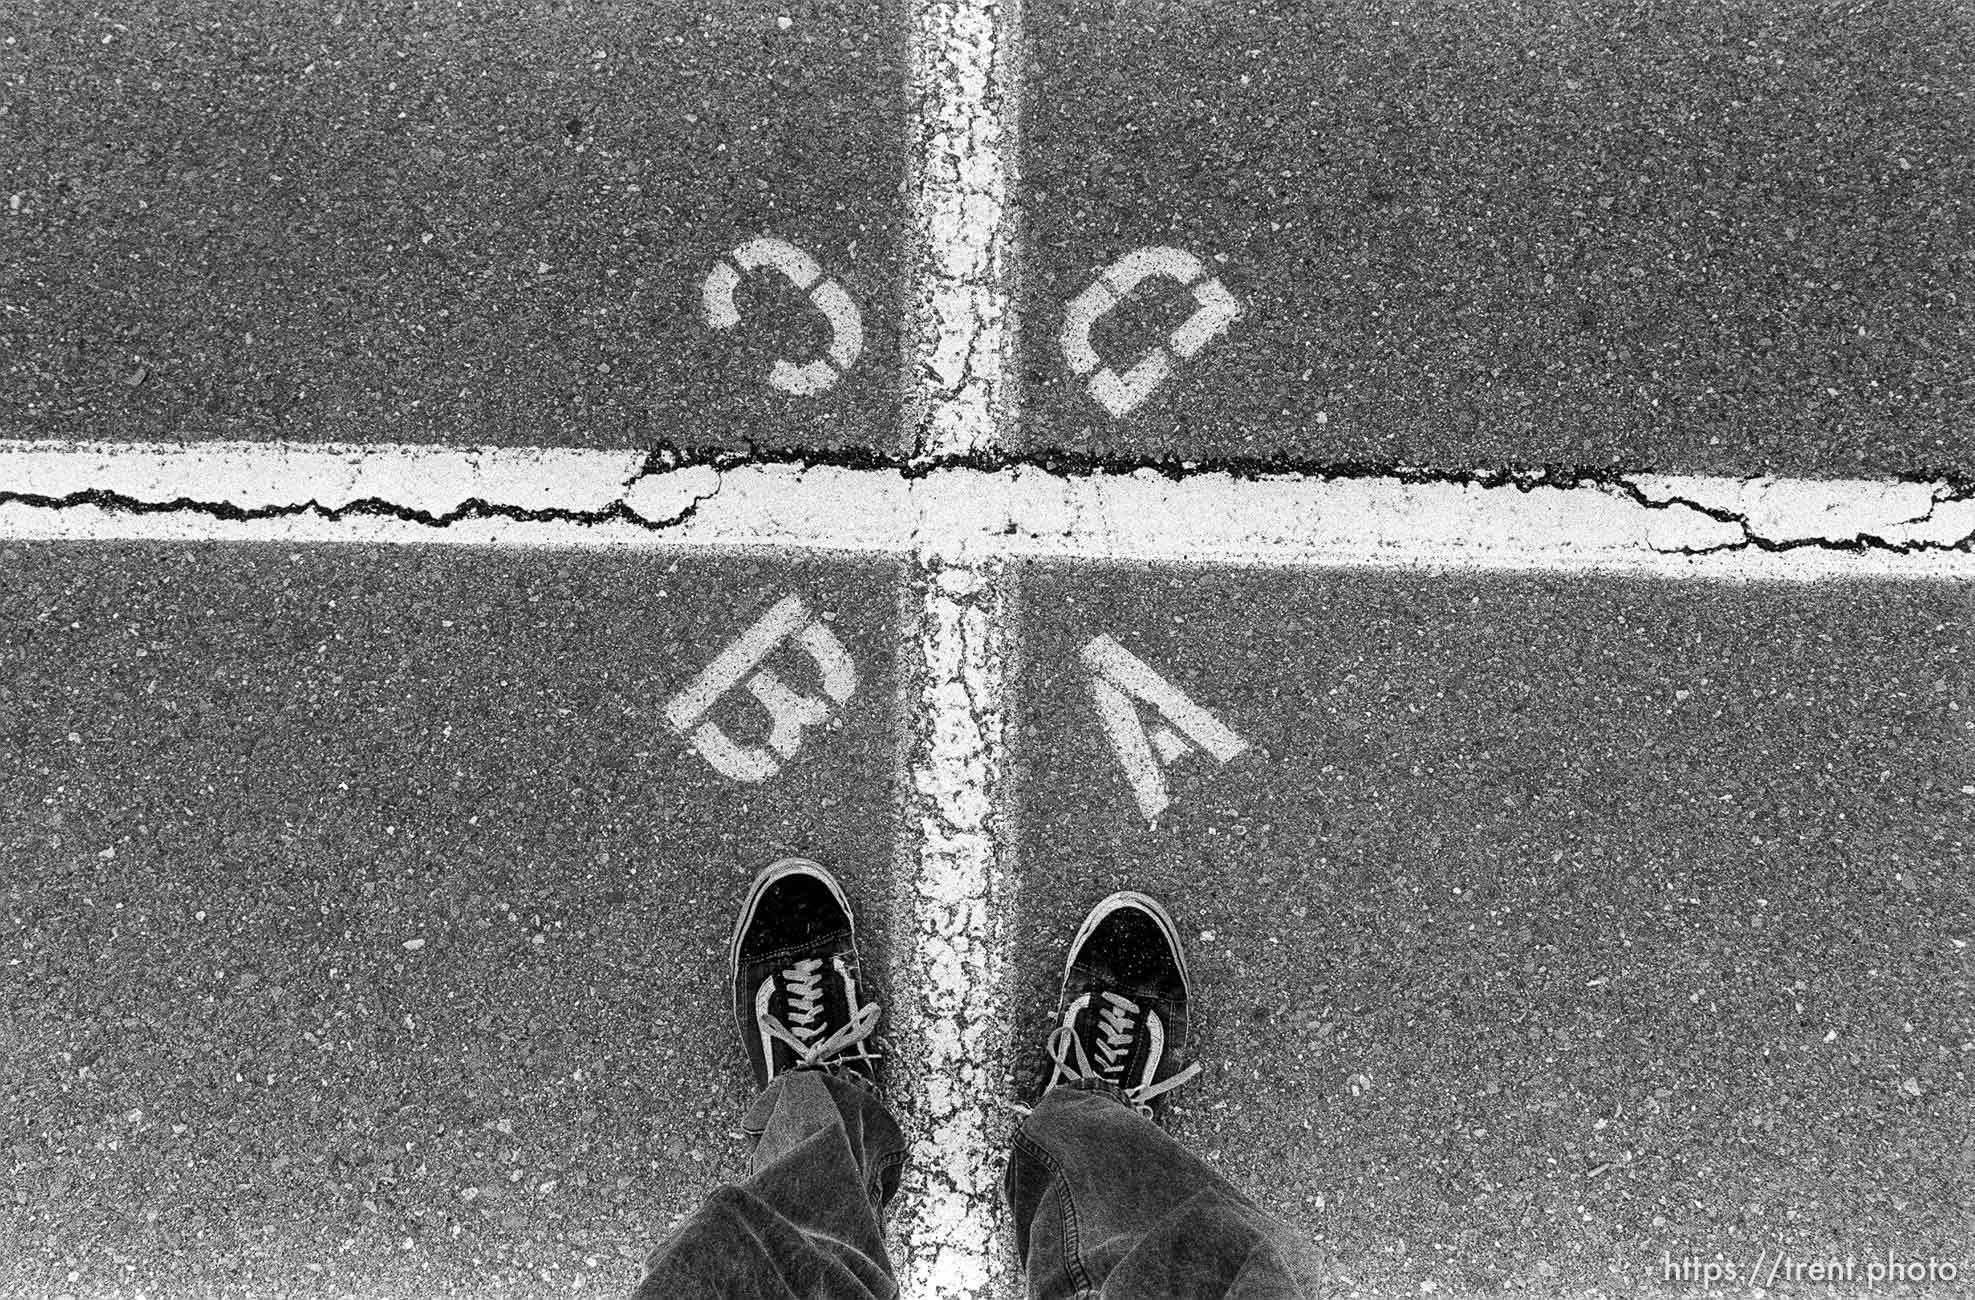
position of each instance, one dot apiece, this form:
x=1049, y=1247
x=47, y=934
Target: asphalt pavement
x=483, y=223
x=1690, y=237
x=365, y=921
x=368, y=922
x=1545, y=927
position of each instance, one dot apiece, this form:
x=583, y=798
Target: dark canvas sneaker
x=796, y=995
x=1122, y=1016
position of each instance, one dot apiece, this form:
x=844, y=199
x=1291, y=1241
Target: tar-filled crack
x=1948, y=486
x=1753, y=539
x=1954, y=484
x=474, y=508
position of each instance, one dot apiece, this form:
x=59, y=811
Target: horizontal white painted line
x=601, y=499
x=270, y=475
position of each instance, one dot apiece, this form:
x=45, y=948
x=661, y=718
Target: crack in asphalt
x=470, y=509
x=1943, y=493
x=1950, y=484
x=1946, y=488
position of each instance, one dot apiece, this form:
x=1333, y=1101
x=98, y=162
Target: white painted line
x=955, y=902
x=1794, y=510
x=975, y=515
x=434, y=480
x=954, y=877
x=963, y=85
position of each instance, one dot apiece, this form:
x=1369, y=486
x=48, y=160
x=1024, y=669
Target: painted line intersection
x=954, y=871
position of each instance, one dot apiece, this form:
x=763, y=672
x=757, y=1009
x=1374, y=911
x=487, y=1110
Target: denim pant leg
x=1106, y=1204
x=804, y=1224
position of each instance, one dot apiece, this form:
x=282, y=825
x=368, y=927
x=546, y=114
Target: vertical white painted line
x=961, y=170
x=951, y=1039
x=954, y=891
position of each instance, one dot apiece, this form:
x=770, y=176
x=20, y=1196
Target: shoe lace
x=1118, y=1020
x=803, y=1031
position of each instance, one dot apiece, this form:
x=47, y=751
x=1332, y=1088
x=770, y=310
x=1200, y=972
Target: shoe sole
x=1144, y=902
x=767, y=876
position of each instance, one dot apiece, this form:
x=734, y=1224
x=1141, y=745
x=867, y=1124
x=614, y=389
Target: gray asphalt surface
x=1638, y=911
x=482, y=223
x=1694, y=237
x=239, y=781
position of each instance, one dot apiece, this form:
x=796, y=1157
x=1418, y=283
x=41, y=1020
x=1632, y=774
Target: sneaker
x=1123, y=1010
x=796, y=994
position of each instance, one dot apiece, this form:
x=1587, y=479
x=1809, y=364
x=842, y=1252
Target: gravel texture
x=1552, y=925
x=480, y=222
x=364, y=928
x=1695, y=237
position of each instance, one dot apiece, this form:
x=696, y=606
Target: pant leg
x=1106, y=1204
x=805, y=1223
